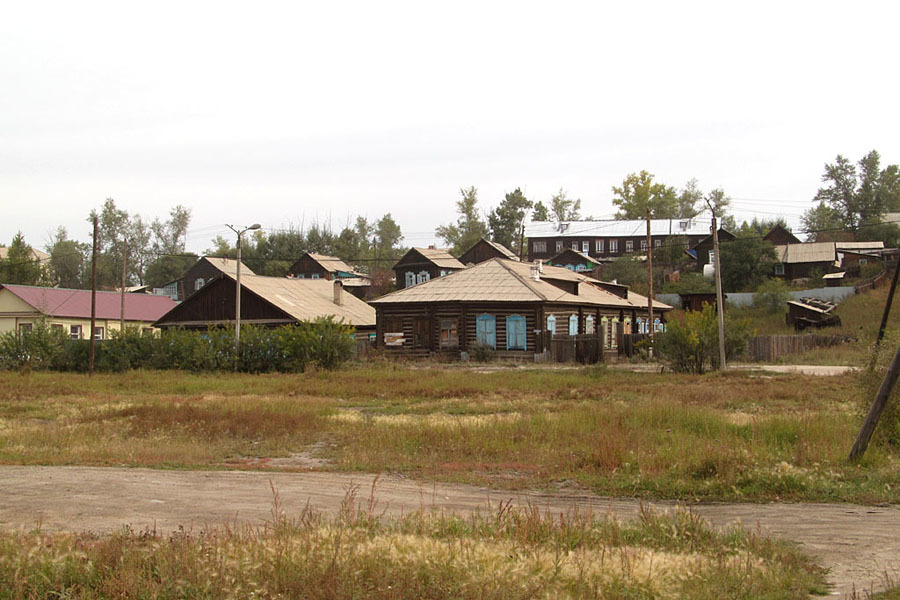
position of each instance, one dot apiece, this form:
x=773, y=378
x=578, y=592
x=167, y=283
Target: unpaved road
x=857, y=543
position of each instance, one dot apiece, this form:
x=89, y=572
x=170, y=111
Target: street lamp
x=237, y=290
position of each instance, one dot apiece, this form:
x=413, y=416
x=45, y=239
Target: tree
x=168, y=259
x=688, y=199
x=638, y=191
x=69, y=261
x=20, y=266
x=746, y=263
x=506, y=220
x=564, y=208
x=540, y=212
x=857, y=197
x=469, y=227
x=387, y=243
x=121, y=237
x=822, y=223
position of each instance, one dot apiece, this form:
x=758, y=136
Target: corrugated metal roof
x=61, y=302
x=333, y=263
x=307, y=299
x=502, y=249
x=806, y=253
x=501, y=280
x=611, y=228
x=859, y=245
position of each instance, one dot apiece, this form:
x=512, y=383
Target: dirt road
x=857, y=543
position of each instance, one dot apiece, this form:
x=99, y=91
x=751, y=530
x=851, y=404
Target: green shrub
x=35, y=349
x=691, y=341
x=771, y=296
x=481, y=352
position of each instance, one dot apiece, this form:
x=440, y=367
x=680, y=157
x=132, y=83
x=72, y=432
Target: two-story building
x=608, y=239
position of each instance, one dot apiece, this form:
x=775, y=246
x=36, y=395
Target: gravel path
x=857, y=543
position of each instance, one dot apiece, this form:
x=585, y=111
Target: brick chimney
x=338, y=292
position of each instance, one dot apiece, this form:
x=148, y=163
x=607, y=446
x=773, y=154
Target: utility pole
x=522, y=242
x=237, y=290
x=93, y=298
x=881, y=399
x=720, y=301
x=650, y=281
x=122, y=292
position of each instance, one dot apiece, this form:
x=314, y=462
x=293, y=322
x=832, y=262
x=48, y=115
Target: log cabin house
x=199, y=274
x=269, y=302
x=485, y=249
x=419, y=265
x=320, y=266
x=508, y=306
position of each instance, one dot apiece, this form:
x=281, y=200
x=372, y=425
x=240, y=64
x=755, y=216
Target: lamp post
x=237, y=289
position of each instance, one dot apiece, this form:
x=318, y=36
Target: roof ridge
x=522, y=279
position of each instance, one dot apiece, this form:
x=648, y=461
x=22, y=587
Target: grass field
x=734, y=436
x=507, y=554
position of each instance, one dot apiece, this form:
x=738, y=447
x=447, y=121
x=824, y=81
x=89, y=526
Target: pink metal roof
x=60, y=302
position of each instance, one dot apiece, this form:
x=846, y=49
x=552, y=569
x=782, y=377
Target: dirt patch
x=305, y=460
x=856, y=543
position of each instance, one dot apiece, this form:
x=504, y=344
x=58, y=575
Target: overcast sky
x=290, y=113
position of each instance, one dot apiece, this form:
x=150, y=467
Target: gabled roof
x=437, y=256
x=812, y=252
x=333, y=264
x=501, y=280
x=780, y=232
x=61, y=302
x=35, y=254
x=841, y=246
x=301, y=299
x=625, y=228
x=580, y=255
x=227, y=265
x=724, y=236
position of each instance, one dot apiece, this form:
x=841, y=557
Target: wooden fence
x=767, y=348
x=583, y=348
x=872, y=283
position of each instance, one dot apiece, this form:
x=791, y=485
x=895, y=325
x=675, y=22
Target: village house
x=320, y=266
x=796, y=261
x=507, y=306
x=268, y=302
x=574, y=260
x=608, y=239
x=703, y=251
x=419, y=265
x=485, y=249
x=23, y=306
x=199, y=274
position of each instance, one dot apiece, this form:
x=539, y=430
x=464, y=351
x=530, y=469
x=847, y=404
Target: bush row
x=323, y=342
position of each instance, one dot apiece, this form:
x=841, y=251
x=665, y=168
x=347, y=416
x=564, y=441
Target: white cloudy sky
x=285, y=113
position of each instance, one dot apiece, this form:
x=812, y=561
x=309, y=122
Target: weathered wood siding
x=767, y=348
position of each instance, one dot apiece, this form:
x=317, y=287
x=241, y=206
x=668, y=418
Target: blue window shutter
x=515, y=332
x=486, y=330
x=573, y=325
x=551, y=324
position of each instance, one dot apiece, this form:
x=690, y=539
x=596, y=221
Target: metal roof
x=62, y=302
x=228, y=265
x=501, y=280
x=333, y=263
x=806, y=253
x=611, y=228
x=307, y=299
x=439, y=257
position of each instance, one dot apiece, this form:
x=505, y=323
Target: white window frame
x=657, y=243
x=98, y=333
x=613, y=246
x=559, y=245
x=629, y=245
x=598, y=246
x=198, y=283
x=585, y=247
x=779, y=268
x=539, y=247
x=575, y=246
x=409, y=279
x=644, y=245
x=75, y=332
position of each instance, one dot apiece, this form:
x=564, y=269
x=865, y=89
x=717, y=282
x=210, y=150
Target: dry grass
x=507, y=554
x=737, y=436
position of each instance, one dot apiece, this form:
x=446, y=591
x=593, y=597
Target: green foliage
x=506, y=220
x=481, y=352
x=771, y=296
x=690, y=283
x=563, y=208
x=35, y=349
x=746, y=263
x=638, y=192
x=69, y=262
x=691, y=341
x=20, y=265
x=627, y=270
x=469, y=226
x=323, y=342
x=540, y=212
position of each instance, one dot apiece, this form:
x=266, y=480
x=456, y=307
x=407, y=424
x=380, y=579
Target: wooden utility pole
x=93, y=298
x=720, y=301
x=881, y=398
x=122, y=292
x=522, y=242
x=650, y=282
x=890, y=300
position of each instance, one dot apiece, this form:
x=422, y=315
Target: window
x=56, y=327
x=98, y=333
x=712, y=257
x=515, y=332
x=657, y=243
x=613, y=246
x=863, y=262
x=443, y=272
x=539, y=247
x=486, y=330
x=589, y=325
x=598, y=246
x=629, y=245
x=75, y=332
x=198, y=283
x=301, y=276
x=581, y=267
x=449, y=333
x=551, y=324
x=585, y=247
x=779, y=268
x=410, y=279
x=573, y=325
x=559, y=246
x=643, y=245
x=422, y=277
x=575, y=246
x=314, y=276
